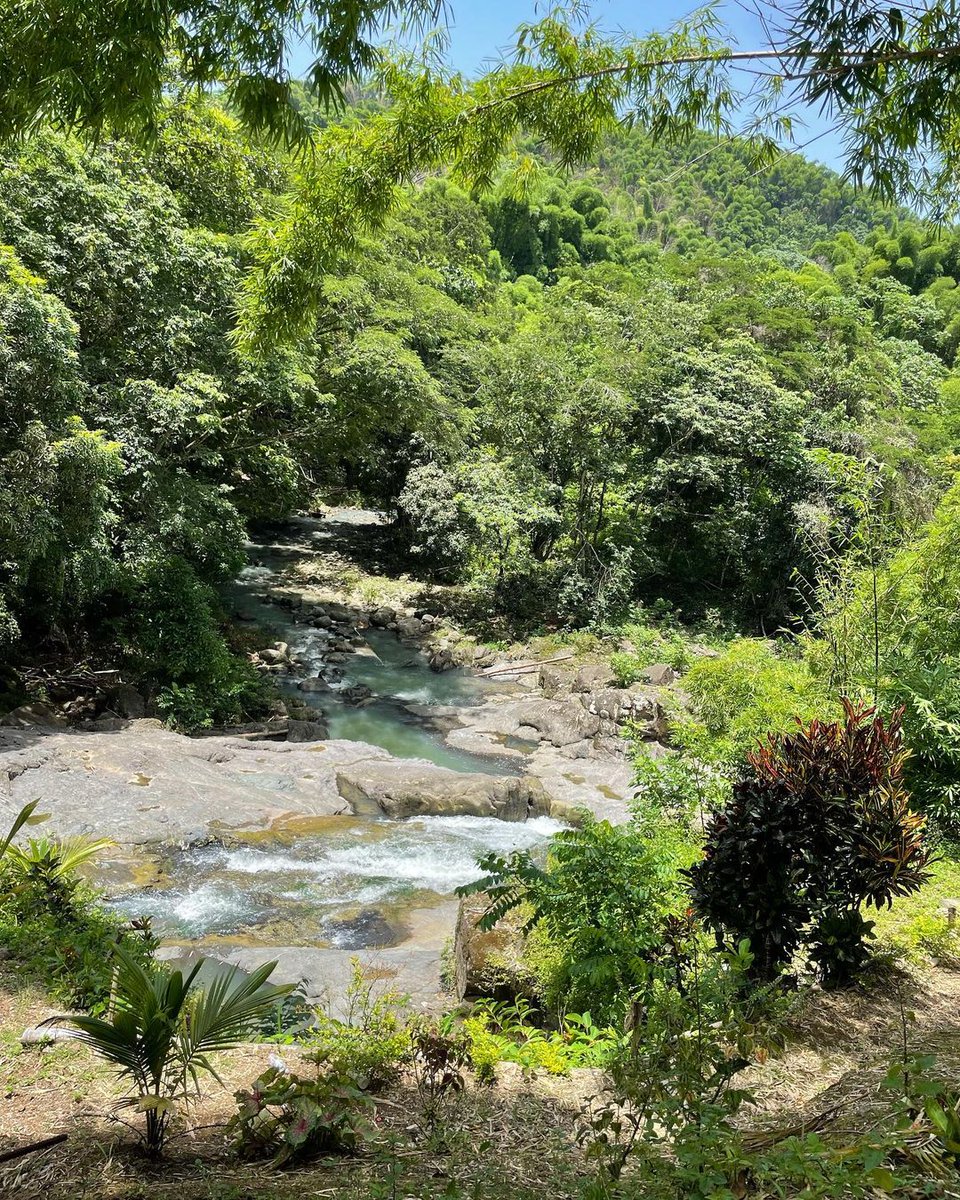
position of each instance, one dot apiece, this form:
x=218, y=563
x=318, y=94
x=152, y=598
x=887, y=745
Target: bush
x=819, y=824
x=371, y=1045
x=747, y=691
x=601, y=899
x=53, y=923
x=163, y=1026
x=294, y=1117
x=506, y=1032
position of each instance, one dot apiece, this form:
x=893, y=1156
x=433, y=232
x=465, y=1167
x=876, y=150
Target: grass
x=916, y=927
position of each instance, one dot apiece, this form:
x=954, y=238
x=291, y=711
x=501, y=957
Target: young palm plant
x=27, y=815
x=164, y=1026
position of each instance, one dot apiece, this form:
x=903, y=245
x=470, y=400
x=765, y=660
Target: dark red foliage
x=819, y=824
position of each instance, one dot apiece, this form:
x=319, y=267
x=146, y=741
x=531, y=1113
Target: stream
x=340, y=882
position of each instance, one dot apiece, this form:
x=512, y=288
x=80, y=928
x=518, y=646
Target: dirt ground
x=829, y=1074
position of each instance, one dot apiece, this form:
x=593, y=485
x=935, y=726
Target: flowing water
x=351, y=887
x=345, y=882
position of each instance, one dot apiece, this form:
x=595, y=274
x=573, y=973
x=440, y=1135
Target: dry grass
x=515, y=1138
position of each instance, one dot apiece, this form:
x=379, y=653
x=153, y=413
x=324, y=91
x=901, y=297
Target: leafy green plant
x=163, y=1027
x=27, y=815
x=819, y=824
x=438, y=1061
x=294, y=1117
x=747, y=691
x=501, y=1031
x=51, y=866
x=601, y=898
x=373, y=1041
x=692, y=1028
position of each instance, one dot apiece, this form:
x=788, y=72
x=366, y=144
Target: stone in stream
x=397, y=789
x=314, y=685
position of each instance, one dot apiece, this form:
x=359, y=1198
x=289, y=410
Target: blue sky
x=481, y=29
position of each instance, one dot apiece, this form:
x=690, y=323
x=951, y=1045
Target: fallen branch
x=9, y=1155
x=523, y=668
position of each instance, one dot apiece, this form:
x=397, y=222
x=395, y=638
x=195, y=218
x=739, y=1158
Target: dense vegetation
x=614, y=391
x=667, y=401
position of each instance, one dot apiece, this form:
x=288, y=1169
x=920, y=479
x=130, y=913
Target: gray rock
x=306, y=731
x=412, y=788
x=593, y=676
x=410, y=627
x=146, y=784
x=125, y=700
x=36, y=713
x=383, y=617
x=313, y=685
x=658, y=675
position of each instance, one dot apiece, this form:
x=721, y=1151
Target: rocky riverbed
x=384, y=723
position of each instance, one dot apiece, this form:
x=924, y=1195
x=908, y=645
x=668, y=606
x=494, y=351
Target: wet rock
x=410, y=627
x=306, y=731
x=357, y=694
x=412, y=788
x=369, y=929
x=442, y=660
x=313, y=685
x=383, y=618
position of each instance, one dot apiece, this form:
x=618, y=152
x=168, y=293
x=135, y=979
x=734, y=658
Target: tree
x=106, y=66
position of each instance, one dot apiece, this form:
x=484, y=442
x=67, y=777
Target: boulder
x=593, y=676
x=313, y=685
x=125, y=700
x=617, y=706
x=306, y=731
x=489, y=963
x=410, y=627
x=553, y=680
x=413, y=788
x=36, y=713
x=558, y=721
x=658, y=675
x=383, y=617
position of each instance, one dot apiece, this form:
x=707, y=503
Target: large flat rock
x=143, y=783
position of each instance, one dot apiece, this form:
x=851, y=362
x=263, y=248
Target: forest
x=670, y=414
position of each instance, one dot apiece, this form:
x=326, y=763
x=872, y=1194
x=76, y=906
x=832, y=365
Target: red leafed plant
x=819, y=825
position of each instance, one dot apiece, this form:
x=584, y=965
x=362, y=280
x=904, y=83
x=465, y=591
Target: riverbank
x=344, y=822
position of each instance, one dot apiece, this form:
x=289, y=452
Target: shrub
x=601, y=899
x=819, y=824
x=294, y=1117
x=53, y=923
x=370, y=1046
x=438, y=1060
x=744, y=693
x=498, y=1031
